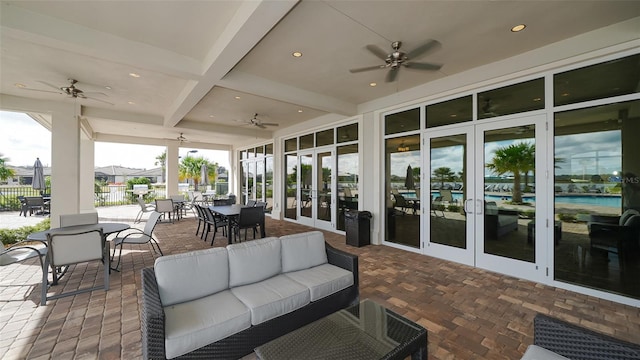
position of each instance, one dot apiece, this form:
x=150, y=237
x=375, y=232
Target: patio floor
x=469, y=313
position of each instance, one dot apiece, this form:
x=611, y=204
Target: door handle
x=466, y=208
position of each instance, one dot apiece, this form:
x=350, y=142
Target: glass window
x=243, y=155
x=348, y=133
x=251, y=153
x=596, y=194
x=259, y=151
x=324, y=137
x=612, y=78
x=402, y=164
x=306, y=141
x=291, y=186
x=402, y=122
x=450, y=112
x=348, y=169
x=269, y=149
x=512, y=99
x=291, y=145
x=269, y=183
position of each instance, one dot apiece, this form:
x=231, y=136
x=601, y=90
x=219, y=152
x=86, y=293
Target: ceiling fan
x=394, y=60
x=254, y=121
x=72, y=91
x=182, y=138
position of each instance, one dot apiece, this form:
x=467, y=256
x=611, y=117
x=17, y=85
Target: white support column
x=172, y=168
x=87, y=174
x=65, y=163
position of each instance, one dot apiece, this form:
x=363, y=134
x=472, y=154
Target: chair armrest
x=507, y=212
x=603, y=228
x=152, y=317
x=344, y=260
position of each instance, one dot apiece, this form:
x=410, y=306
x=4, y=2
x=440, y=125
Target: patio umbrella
x=204, y=174
x=38, y=177
x=408, y=181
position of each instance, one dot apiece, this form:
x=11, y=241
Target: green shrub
x=12, y=236
x=567, y=217
x=453, y=208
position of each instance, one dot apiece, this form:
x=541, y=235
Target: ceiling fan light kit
x=396, y=59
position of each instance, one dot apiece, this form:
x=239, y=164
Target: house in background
x=114, y=174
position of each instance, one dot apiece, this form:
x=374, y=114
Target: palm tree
x=5, y=172
x=443, y=174
x=516, y=159
x=162, y=161
x=190, y=168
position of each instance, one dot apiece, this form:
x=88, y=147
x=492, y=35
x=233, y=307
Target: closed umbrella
x=408, y=181
x=38, y=177
x=204, y=174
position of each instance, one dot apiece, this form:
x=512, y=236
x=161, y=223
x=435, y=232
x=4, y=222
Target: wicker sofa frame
x=578, y=343
x=244, y=342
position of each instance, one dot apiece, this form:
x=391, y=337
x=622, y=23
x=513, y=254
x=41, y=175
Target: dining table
x=232, y=212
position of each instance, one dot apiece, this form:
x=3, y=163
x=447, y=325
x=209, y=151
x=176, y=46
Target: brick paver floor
x=469, y=313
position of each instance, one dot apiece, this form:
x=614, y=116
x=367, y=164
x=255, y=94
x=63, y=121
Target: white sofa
x=224, y=302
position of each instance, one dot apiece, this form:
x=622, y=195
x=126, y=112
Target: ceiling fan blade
x=48, y=91
x=368, y=68
x=422, y=66
x=261, y=126
x=94, y=99
x=377, y=51
x=424, y=48
x=392, y=75
x=49, y=85
x=270, y=124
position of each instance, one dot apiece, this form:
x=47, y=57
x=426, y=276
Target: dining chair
x=249, y=218
x=78, y=219
x=144, y=208
x=164, y=207
x=251, y=203
x=22, y=251
x=201, y=218
x=66, y=248
x=137, y=236
x=214, y=220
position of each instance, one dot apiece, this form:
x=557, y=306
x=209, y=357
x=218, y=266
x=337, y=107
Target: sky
x=22, y=140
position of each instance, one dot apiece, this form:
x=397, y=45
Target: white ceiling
x=195, y=57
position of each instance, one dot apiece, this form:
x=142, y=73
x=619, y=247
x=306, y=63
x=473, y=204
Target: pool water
x=614, y=201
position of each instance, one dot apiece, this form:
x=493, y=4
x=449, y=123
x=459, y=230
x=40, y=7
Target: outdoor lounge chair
x=144, y=208
x=21, y=251
x=166, y=208
x=137, y=236
x=70, y=248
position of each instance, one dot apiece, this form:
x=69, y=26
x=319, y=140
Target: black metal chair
x=213, y=220
x=201, y=218
x=249, y=218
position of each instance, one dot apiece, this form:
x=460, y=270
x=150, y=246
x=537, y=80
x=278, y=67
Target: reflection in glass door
x=450, y=227
x=507, y=210
x=316, y=185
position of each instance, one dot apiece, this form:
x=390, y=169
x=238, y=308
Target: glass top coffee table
x=364, y=331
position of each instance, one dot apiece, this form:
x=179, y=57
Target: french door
x=316, y=188
x=483, y=205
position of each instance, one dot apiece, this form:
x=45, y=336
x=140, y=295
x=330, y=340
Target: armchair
x=144, y=208
x=622, y=239
x=67, y=248
x=498, y=222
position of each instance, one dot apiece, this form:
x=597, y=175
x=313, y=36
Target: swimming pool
x=614, y=201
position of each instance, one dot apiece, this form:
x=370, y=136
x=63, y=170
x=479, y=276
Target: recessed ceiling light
x=20, y=85
x=131, y=103
x=299, y=110
x=453, y=115
x=518, y=28
x=134, y=75
x=108, y=87
x=373, y=84
x=565, y=94
x=237, y=97
x=537, y=99
x=211, y=116
x=296, y=54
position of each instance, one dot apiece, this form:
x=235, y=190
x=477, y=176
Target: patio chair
x=22, y=251
x=403, y=204
x=165, y=207
x=201, y=218
x=144, y=208
x=251, y=203
x=137, y=236
x=249, y=218
x=213, y=220
x=78, y=219
x=71, y=248
x=34, y=204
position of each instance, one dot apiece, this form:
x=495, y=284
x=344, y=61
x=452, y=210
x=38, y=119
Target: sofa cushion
x=254, y=261
x=302, y=251
x=323, y=280
x=535, y=352
x=271, y=298
x=192, y=275
x=194, y=324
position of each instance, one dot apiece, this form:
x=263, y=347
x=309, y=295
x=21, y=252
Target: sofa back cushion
x=254, y=261
x=303, y=251
x=193, y=275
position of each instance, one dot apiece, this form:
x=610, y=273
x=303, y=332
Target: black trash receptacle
x=357, y=227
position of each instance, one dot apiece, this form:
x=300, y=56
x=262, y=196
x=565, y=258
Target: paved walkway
x=13, y=220
x=469, y=313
